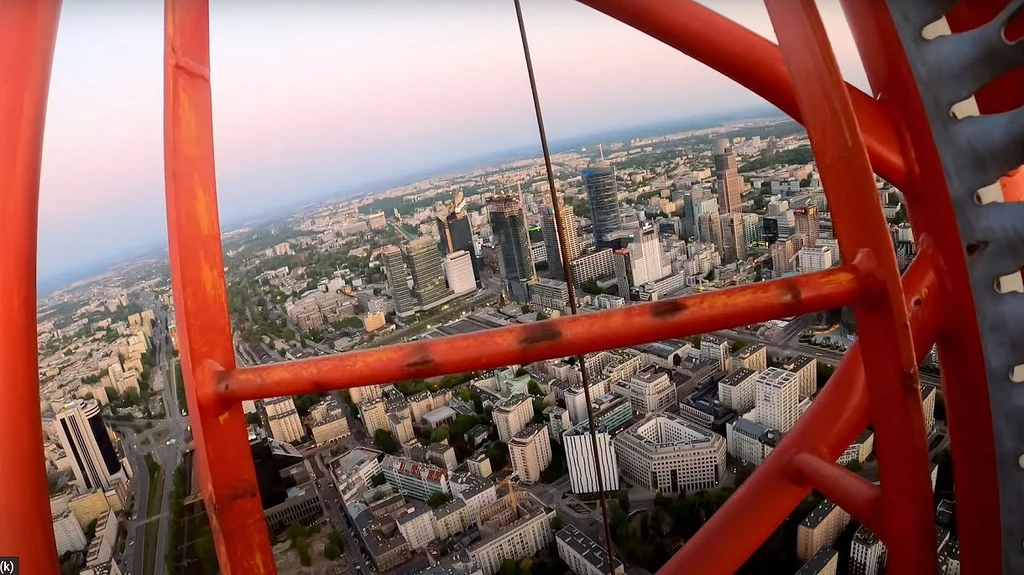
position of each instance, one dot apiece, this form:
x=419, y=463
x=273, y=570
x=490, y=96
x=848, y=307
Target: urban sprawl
x=494, y=472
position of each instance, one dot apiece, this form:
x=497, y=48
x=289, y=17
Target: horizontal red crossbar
x=563, y=337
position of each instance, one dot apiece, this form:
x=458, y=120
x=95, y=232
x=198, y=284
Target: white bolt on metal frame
x=1010, y=283
x=1017, y=374
x=989, y=194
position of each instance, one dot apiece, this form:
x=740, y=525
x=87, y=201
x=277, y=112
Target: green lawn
x=153, y=508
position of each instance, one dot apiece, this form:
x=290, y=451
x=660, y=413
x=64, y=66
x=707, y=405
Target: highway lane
x=168, y=452
x=131, y=558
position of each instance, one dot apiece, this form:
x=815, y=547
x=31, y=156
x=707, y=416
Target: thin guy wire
x=567, y=271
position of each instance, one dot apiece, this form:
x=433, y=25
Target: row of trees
x=801, y=155
x=413, y=386
x=651, y=538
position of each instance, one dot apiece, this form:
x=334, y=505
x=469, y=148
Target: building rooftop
x=592, y=552
x=447, y=509
x=512, y=402
x=421, y=396
x=479, y=429
x=494, y=526
x=798, y=362
x=926, y=390
x=440, y=414
x=818, y=514
x=816, y=564
x=662, y=431
x=711, y=340
x=863, y=436
x=650, y=374
x=776, y=377
x=757, y=431
x=737, y=377
x=662, y=349
x=355, y=458
x=527, y=433
x=865, y=537
x=749, y=350
x=405, y=466
x=583, y=428
x=415, y=510
x=375, y=536
x=439, y=448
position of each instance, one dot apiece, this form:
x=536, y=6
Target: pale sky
x=313, y=97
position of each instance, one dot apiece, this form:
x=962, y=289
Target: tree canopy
x=385, y=442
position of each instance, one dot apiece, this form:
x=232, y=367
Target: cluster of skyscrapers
x=424, y=274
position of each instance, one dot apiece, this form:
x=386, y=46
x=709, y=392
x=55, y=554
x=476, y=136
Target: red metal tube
x=835, y=418
x=28, y=32
x=884, y=332
x=548, y=339
x=754, y=63
x=852, y=492
x=225, y=468
x=968, y=412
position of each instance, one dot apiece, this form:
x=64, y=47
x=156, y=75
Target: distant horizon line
x=45, y=286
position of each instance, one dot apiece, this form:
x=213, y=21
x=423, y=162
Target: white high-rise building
x=663, y=452
x=374, y=415
x=867, y=553
x=68, y=533
x=579, y=454
x=777, y=399
x=820, y=529
x=715, y=348
x=649, y=391
x=551, y=241
x=512, y=415
x=582, y=554
x=814, y=258
x=285, y=425
x=647, y=259
x=416, y=524
x=458, y=271
x=365, y=393
x=530, y=452
x=753, y=357
x=806, y=369
x=86, y=440
x=749, y=440
x=515, y=526
x=736, y=390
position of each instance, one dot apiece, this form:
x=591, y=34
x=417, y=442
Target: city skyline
x=318, y=137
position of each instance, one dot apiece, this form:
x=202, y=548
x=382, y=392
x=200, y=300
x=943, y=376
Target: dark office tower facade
x=733, y=238
x=456, y=233
x=551, y=241
x=710, y=228
x=509, y=226
x=86, y=440
x=727, y=178
x=807, y=224
x=692, y=200
x=398, y=281
x=603, y=197
x=427, y=273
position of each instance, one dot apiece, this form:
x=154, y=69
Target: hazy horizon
x=314, y=100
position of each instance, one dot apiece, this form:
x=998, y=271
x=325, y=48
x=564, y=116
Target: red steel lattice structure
x=852, y=134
